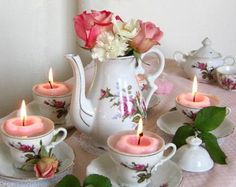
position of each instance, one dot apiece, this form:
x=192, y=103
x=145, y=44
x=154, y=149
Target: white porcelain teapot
x=202, y=62
x=114, y=100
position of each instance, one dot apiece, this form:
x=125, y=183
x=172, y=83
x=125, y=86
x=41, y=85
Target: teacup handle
x=152, y=77
x=58, y=140
x=165, y=158
x=229, y=59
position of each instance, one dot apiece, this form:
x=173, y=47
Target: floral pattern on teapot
x=129, y=106
x=206, y=71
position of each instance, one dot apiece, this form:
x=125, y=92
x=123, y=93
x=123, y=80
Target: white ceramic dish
x=12, y=177
x=169, y=174
x=171, y=121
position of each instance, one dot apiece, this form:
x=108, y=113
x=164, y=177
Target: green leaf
x=97, y=181
x=181, y=134
x=208, y=119
x=43, y=152
x=68, y=180
x=213, y=147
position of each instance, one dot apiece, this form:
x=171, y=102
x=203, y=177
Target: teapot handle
x=179, y=57
x=229, y=59
x=151, y=77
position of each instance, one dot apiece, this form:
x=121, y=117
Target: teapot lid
x=206, y=51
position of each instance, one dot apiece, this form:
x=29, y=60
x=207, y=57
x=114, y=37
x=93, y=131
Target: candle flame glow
x=194, y=88
x=140, y=127
x=50, y=76
x=23, y=113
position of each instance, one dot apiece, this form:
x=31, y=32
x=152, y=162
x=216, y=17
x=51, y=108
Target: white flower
x=108, y=46
x=127, y=30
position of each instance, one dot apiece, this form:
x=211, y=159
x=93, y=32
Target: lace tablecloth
x=220, y=175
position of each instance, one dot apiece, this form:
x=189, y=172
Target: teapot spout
x=81, y=110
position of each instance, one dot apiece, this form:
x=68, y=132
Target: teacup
x=135, y=170
x=226, y=77
x=188, y=113
x=55, y=108
x=22, y=148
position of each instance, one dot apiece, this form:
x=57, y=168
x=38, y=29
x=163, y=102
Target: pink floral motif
x=22, y=147
x=60, y=106
x=129, y=106
x=228, y=83
x=190, y=114
x=207, y=72
x=143, y=171
x=164, y=185
x=139, y=167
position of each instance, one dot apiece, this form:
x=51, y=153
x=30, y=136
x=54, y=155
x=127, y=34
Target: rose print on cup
x=22, y=147
x=227, y=83
x=207, y=72
x=129, y=106
x=143, y=172
x=190, y=114
x=61, y=108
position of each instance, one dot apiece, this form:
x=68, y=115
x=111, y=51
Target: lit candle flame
x=194, y=88
x=50, y=77
x=23, y=113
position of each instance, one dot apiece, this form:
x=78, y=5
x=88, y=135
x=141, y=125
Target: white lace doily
x=87, y=144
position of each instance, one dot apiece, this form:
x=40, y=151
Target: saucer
x=11, y=177
x=168, y=174
x=170, y=122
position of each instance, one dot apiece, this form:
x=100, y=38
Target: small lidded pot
x=202, y=62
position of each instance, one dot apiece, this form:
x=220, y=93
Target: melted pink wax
x=33, y=126
x=129, y=144
x=201, y=101
x=57, y=90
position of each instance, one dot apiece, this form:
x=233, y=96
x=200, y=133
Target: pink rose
x=89, y=25
x=147, y=36
x=46, y=167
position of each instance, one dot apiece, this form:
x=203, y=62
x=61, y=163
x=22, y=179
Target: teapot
x=114, y=101
x=202, y=62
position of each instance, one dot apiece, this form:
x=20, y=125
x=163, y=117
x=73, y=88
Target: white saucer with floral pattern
x=171, y=121
x=167, y=175
x=12, y=177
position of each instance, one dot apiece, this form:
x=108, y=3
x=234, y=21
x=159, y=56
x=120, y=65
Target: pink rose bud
x=148, y=36
x=46, y=167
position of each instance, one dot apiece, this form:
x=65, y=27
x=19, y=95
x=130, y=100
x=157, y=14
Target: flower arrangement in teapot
x=114, y=101
x=108, y=36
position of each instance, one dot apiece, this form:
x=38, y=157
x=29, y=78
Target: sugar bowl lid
x=206, y=51
x=193, y=157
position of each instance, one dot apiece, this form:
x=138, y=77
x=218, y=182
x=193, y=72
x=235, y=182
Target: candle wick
x=139, y=138
x=194, y=97
x=50, y=84
x=23, y=121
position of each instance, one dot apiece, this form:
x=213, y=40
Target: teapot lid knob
x=206, y=41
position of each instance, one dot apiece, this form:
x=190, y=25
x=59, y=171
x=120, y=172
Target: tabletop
x=220, y=175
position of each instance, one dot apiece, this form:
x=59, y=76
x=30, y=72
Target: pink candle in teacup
x=53, y=99
x=52, y=88
x=188, y=104
x=24, y=126
x=138, y=143
x=137, y=153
